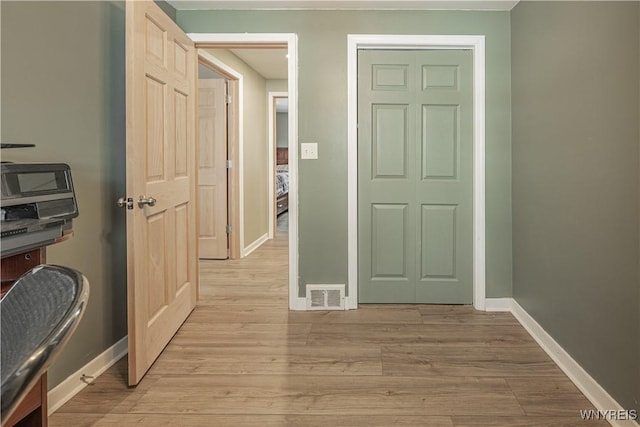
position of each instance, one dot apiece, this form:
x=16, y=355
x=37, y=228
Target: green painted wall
x=63, y=89
x=277, y=86
x=282, y=130
x=576, y=139
x=167, y=8
x=282, y=119
x=322, y=51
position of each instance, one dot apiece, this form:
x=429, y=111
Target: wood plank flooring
x=242, y=359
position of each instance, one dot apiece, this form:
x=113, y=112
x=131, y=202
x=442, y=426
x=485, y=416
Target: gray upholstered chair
x=37, y=317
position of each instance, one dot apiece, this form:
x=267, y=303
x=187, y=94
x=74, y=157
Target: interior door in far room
x=212, y=113
x=415, y=154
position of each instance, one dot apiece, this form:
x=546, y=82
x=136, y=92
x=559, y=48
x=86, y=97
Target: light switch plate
x=309, y=150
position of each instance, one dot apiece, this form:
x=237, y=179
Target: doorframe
x=476, y=43
x=235, y=186
x=272, y=97
x=291, y=40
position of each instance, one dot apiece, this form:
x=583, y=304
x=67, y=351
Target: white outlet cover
x=309, y=150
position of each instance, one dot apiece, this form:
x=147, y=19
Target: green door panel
x=415, y=155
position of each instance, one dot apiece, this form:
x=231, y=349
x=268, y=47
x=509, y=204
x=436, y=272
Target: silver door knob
x=144, y=200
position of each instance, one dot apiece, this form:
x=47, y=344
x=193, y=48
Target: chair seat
x=37, y=317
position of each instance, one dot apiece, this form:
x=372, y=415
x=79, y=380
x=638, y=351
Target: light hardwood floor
x=242, y=359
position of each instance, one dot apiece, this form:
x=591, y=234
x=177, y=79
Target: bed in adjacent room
x=282, y=180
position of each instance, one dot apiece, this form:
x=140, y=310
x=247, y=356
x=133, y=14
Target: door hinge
x=229, y=164
x=229, y=228
x=228, y=99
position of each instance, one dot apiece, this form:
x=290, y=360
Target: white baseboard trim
x=498, y=304
x=73, y=385
x=298, y=304
x=255, y=245
x=585, y=382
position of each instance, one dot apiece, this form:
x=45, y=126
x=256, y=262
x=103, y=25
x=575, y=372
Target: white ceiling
x=345, y=4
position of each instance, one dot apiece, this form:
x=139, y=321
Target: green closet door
x=415, y=154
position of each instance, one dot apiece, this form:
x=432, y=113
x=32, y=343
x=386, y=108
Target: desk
x=32, y=411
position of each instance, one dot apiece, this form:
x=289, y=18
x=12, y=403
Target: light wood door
x=212, y=175
x=162, y=277
x=415, y=176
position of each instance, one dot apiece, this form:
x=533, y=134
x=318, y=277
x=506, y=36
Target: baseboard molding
x=498, y=304
x=297, y=304
x=593, y=391
x=350, y=303
x=73, y=385
x=255, y=245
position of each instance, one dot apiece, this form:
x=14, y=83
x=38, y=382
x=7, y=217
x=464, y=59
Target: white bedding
x=282, y=179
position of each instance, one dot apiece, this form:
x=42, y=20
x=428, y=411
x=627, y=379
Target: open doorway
x=278, y=104
x=259, y=72
x=219, y=185
x=290, y=43
x=213, y=215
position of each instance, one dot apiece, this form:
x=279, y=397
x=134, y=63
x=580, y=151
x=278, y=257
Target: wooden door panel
x=207, y=214
x=181, y=61
x=155, y=41
x=212, y=113
x=158, y=298
x=161, y=238
x=155, y=106
x=183, y=250
x=206, y=128
x=181, y=141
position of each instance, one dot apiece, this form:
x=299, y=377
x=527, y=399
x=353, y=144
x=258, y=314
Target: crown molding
x=487, y=5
